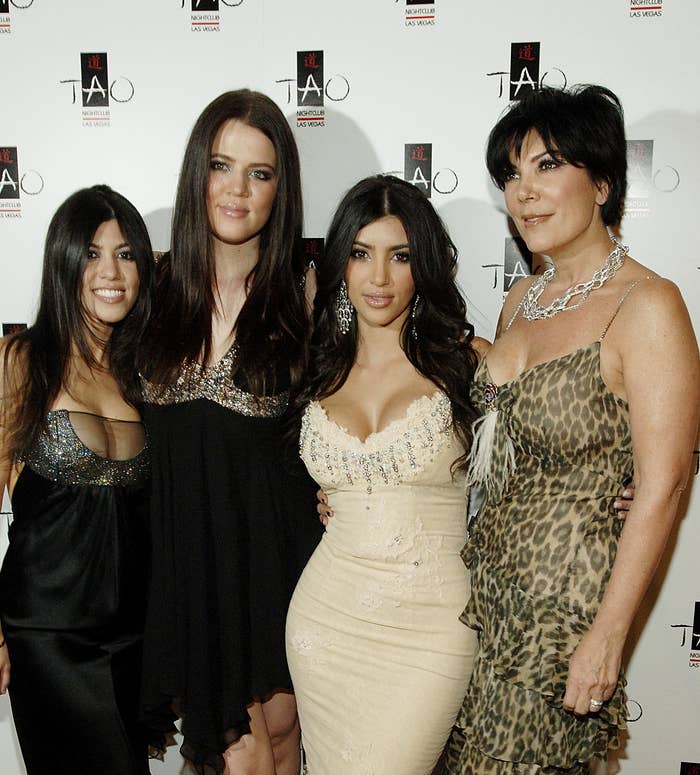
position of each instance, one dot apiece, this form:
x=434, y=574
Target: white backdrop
x=394, y=73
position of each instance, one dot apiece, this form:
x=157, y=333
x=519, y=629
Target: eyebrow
x=544, y=153
x=536, y=157
x=391, y=247
x=117, y=247
x=254, y=164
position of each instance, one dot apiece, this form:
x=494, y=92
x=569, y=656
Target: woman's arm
x=5, y=471
x=5, y=467
x=480, y=346
x=661, y=376
x=310, y=287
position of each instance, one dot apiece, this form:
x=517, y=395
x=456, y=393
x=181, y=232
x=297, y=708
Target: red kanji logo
x=525, y=53
x=418, y=153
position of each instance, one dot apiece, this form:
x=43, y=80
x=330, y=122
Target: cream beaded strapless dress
x=379, y=659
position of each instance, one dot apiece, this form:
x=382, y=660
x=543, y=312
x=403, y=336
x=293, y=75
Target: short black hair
x=584, y=125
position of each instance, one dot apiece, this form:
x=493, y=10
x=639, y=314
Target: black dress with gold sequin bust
x=72, y=596
x=233, y=522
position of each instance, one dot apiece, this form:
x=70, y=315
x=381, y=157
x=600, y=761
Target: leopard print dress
x=540, y=555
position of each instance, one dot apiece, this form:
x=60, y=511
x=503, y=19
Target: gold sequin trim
x=214, y=383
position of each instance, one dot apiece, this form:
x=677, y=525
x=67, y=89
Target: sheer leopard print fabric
x=540, y=559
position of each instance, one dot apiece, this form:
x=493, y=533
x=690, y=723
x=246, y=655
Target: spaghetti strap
x=629, y=290
x=515, y=314
x=518, y=308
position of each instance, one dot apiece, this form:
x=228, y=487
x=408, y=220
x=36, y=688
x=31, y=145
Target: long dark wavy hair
x=273, y=319
x=441, y=351
x=37, y=361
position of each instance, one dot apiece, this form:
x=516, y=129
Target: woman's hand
x=623, y=502
x=4, y=665
x=325, y=512
x=594, y=669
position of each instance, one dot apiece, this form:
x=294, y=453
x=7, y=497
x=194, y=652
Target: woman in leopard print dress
x=594, y=372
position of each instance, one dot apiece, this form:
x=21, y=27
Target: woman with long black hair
x=230, y=507
x=379, y=659
x=74, y=458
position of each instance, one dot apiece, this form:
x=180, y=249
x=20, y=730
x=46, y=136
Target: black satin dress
x=233, y=522
x=72, y=597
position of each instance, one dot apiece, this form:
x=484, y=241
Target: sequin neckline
x=214, y=383
x=396, y=453
x=413, y=408
x=66, y=413
x=60, y=455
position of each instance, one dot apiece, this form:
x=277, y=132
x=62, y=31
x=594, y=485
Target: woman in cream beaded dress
x=378, y=657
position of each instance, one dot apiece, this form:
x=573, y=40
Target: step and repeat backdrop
x=108, y=91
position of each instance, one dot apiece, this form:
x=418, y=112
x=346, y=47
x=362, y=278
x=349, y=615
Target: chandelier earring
x=414, y=330
x=344, y=310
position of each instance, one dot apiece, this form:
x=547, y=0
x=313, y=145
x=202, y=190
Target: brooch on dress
x=490, y=396
x=487, y=430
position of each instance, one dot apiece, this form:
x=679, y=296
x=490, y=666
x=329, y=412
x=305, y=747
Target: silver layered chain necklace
x=531, y=309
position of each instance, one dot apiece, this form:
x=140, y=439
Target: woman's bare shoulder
x=14, y=367
x=654, y=318
x=13, y=357
x=654, y=295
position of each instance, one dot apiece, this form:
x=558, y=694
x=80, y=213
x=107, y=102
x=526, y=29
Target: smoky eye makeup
x=261, y=173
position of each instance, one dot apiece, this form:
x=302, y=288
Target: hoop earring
x=414, y=330
x=344, y=310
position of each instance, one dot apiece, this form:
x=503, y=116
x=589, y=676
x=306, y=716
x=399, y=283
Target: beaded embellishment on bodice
x=59, y=453
x=397, y=453
x=216, y=384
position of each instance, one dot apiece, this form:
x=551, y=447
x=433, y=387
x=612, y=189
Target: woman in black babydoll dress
x=227, y=552
x=233, y=512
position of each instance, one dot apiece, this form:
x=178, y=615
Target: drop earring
x=344, y=310
x=414, y=330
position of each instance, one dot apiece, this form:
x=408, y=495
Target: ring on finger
x=596, y=703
